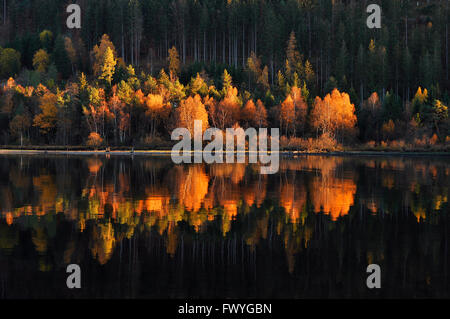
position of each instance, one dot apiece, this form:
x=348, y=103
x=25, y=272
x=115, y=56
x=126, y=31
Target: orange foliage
x=333, y=196
x=293, y=112
x=248, y=114
x=99, y=51
x=46, y=120
x=192, y=109
x=334, y=114
x=94, y=140
x=227, y=113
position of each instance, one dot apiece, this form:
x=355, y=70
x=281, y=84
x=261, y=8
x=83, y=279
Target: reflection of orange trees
x=293, y=199
x=419, y=212
x=200, y=194
x=372, y=205
x=334, y=196
x=48, y=200
x=192, y=187
x=331, y=194
x=439, y=200
x=388, y=181
x=230, y=209
x=255, y=193
x=322, y=164
x=235, y=172
x=94, y=165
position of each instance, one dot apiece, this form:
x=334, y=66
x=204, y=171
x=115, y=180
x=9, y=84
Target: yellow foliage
x=46, y=120
x=334, y=114
x=192, y=109
x=98, y=54
x=41, y=60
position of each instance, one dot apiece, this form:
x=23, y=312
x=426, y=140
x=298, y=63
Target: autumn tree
x=334, y=115
x=293, y=112
x=94, y=140
x=198, y=86
x=46, y=119
x=41, y=61
x=9, y=62
x=420, y=100
x=192, y=109
x=226, y=82
x=99, y=52
x=46, y=38
x=248, y=114
x=261, y=115
x=156, y=111
x=287, y=116
x=227, y=112
x=108, y=66
x=388, y=130
x=121, y=116
x=97, y=112
x=439, y=116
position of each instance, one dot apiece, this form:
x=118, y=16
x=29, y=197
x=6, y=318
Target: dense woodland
x=139, y=68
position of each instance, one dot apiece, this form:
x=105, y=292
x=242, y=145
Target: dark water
x=144, y=227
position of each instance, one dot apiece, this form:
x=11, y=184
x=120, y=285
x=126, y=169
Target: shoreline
x=168, y=153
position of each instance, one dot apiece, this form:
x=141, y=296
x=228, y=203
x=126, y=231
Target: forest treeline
x=139, y=68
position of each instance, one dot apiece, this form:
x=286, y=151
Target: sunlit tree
x=41, y=60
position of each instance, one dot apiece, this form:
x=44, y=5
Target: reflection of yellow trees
x=39, y=239
x=230, y=210
x=420, y=213
x=102, y=243
x=439, y=200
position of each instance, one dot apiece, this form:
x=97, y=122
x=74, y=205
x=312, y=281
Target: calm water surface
x=145, y=228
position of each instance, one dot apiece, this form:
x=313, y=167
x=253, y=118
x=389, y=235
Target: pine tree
x=174, y=63
x=61, y=58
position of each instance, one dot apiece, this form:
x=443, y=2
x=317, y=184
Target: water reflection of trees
x=224, y=213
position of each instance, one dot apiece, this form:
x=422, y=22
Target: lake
x=143, y=227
